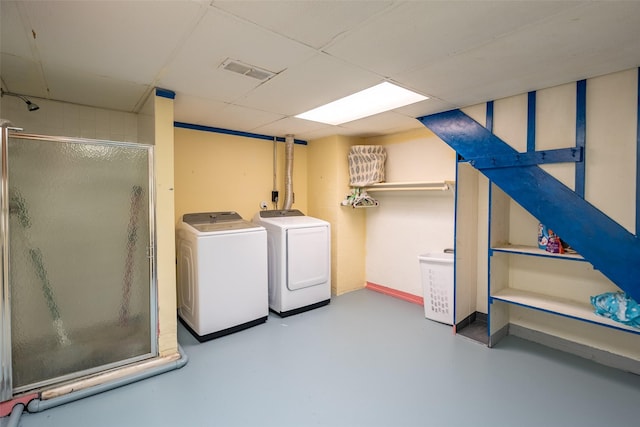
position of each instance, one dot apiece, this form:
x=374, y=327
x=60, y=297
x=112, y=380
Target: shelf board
x=535, y=251
x=360, y=206
x=411, y=186
x=559, y=306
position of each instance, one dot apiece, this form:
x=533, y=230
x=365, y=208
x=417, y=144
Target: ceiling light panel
x=377, y=99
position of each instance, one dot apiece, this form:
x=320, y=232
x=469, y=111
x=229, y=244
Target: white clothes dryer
x=222, y=274
x=299, y=260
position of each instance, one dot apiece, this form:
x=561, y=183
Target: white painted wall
x=612, y=107
x=407, y=224
x=478, y=113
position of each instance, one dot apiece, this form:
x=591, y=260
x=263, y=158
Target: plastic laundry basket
x=437, y=284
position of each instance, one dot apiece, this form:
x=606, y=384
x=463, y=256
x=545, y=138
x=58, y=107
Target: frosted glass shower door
x=80, y=257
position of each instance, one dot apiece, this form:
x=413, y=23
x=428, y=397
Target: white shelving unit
x=560, y=306
x=549, y=294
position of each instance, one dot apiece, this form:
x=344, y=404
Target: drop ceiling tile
x=291, y=126
x=308, y=85
x=22, y=75
x=69, y=85
x=387, y=122
x=418, y=33
x=214, y=83
x=15, y=34
x=577, y=44
x=238, y=118
x=127, y=40
x=195, y=110
x=219, y=36
x=328, y=131
x=430, y=106
x=314, y=23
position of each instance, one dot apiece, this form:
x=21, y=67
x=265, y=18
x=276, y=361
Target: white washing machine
x=299, y=260
x=222, y=274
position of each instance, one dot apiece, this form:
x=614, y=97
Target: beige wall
x=328, y=184
x=165, y=235
x=219, y=172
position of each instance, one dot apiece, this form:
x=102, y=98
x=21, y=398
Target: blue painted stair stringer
x=608, y=246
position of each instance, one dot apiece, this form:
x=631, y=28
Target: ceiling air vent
x=246, y=70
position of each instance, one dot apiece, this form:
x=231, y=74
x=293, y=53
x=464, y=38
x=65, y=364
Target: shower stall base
x=99, y=383
x=46, y=361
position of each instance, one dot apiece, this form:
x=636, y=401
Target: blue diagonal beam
x=600, y=240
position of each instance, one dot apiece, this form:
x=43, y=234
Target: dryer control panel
x=280, y=213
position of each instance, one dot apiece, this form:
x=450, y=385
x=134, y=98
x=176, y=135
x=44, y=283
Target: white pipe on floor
x=38, y=405
x=14, y=418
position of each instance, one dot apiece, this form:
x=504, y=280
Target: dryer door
x=308, y=252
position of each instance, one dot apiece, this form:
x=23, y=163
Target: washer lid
x=205, y=222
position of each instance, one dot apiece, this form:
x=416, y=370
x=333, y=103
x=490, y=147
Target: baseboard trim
x=501, y=333
x=465, y=322
x=415, y=299
x=601, y=356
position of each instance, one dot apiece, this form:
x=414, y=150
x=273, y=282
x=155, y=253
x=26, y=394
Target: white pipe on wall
x=288, y=175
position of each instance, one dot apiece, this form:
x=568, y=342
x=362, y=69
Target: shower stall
x=78, y=274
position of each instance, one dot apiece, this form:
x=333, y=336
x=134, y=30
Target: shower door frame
x=6, y=384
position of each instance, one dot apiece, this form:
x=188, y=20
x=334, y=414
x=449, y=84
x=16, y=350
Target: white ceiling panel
x=195, y=110
x=22, y=75
x=15, y=33
x=238, y=118
x=572, y=45
x=207, y=81
x=418, y=33
x=423, y=108
x=314, y=23
x=292, y=126
x=305, y=86
x=196, y=69
x=70, y=85
x=383, y=123
x=327, y=131
x=126, y=40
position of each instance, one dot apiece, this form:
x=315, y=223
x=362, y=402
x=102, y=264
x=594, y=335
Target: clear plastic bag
x=617, y=306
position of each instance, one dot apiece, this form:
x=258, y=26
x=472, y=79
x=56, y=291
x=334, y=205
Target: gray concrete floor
x=365, y=360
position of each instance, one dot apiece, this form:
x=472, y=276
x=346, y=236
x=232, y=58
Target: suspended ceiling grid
x=112, y=54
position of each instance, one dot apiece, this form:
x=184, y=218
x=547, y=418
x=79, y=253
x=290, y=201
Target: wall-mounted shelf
x=534, y=251
x=361, y=206
x=411, y=186
x=559, y=306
